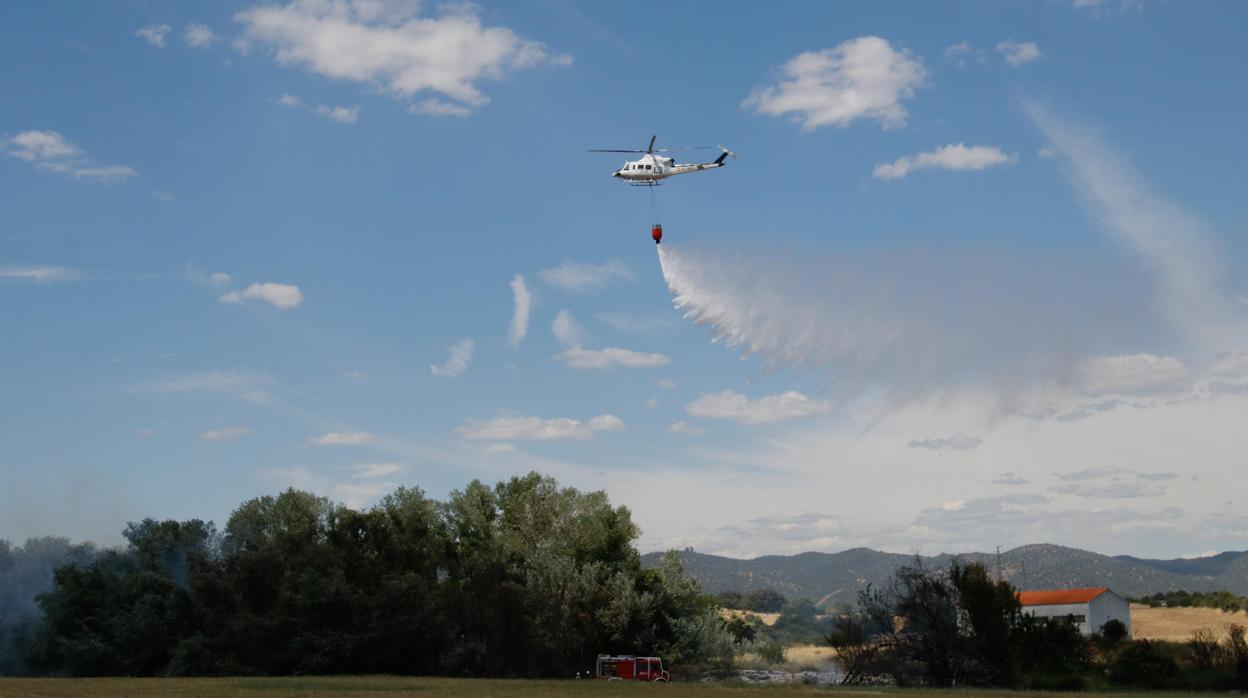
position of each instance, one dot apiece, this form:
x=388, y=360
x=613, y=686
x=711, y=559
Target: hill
x=835, y=578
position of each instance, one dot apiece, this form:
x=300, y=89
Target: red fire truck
x=630, y=668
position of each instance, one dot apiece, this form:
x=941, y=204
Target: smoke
x=904, y=325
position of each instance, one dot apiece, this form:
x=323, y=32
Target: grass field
x=1177, y=624
x=382, y=686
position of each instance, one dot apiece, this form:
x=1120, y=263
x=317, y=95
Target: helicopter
x=651, y=168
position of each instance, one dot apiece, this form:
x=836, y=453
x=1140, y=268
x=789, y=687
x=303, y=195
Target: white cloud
x=343, y=115
x=961, y=48
x=342, y=438
x=666, y=383
x=863, y=78
x=946, y=157
x=49, y=151
x=1048, y=152
x=219, y=278
x=522, y=302
x=391, y=48
x=538, y=429
x=580, y=277
x=162, y=195
x=458, y=359
x=289, y=100
x=354, y=376
x=39, y=274
x=566, y=329
x=154, y=34
x=951, y=443
x=375, y=470
x=764, y=410
x=684, y=428
x=283, y=296
x=1018, y=53
x=199, y=36
x=41, y=146
x=226, y=434
x=437, y=107
x=145, y=432
x=610, y=357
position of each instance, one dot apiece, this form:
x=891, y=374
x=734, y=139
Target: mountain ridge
x=832, y=579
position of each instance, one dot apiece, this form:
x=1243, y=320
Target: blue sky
x=974, y=280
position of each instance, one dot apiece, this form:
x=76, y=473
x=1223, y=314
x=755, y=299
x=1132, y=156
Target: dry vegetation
x=765, y=618
x=809, y=656
x=1177, y=624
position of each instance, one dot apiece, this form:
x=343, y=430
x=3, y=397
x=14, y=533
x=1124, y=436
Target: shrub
x=1143, y=664
x=1113, y=632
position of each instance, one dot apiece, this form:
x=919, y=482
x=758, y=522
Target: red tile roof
x=1060, y=596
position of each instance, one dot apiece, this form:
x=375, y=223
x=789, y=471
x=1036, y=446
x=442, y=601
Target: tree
x=764, y=601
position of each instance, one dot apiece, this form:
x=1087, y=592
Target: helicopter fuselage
x=650, y=169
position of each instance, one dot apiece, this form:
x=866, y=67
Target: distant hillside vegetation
x=835, y=578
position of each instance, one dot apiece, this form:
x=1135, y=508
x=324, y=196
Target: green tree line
x=523, y=578
x=1222, y=600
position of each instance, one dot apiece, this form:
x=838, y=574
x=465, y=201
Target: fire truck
x=630, y=668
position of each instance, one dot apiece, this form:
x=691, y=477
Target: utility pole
x=999, y=579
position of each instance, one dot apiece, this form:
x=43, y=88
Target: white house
x=1089, y=608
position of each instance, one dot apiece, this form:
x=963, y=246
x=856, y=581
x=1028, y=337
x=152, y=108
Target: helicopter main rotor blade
x=606, y=150
x=650, y=148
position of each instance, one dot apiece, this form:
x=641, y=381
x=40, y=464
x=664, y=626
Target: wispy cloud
x=375, y=470
x=538, y=429
x=580, y=277
x=764, y=410
x=863, y=78
x=521, y=304
x=199, y=36
x=343, y=115
x=154, y=34
x=342, y=438
x=42, y=274
x=246, y=385
x=610, y=357
x=1170, y=243
x=946, y=157
x=1018, y=53
x=225, y=434
x=566, y=329
x=458, y=359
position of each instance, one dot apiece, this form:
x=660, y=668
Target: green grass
x=378, y=686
